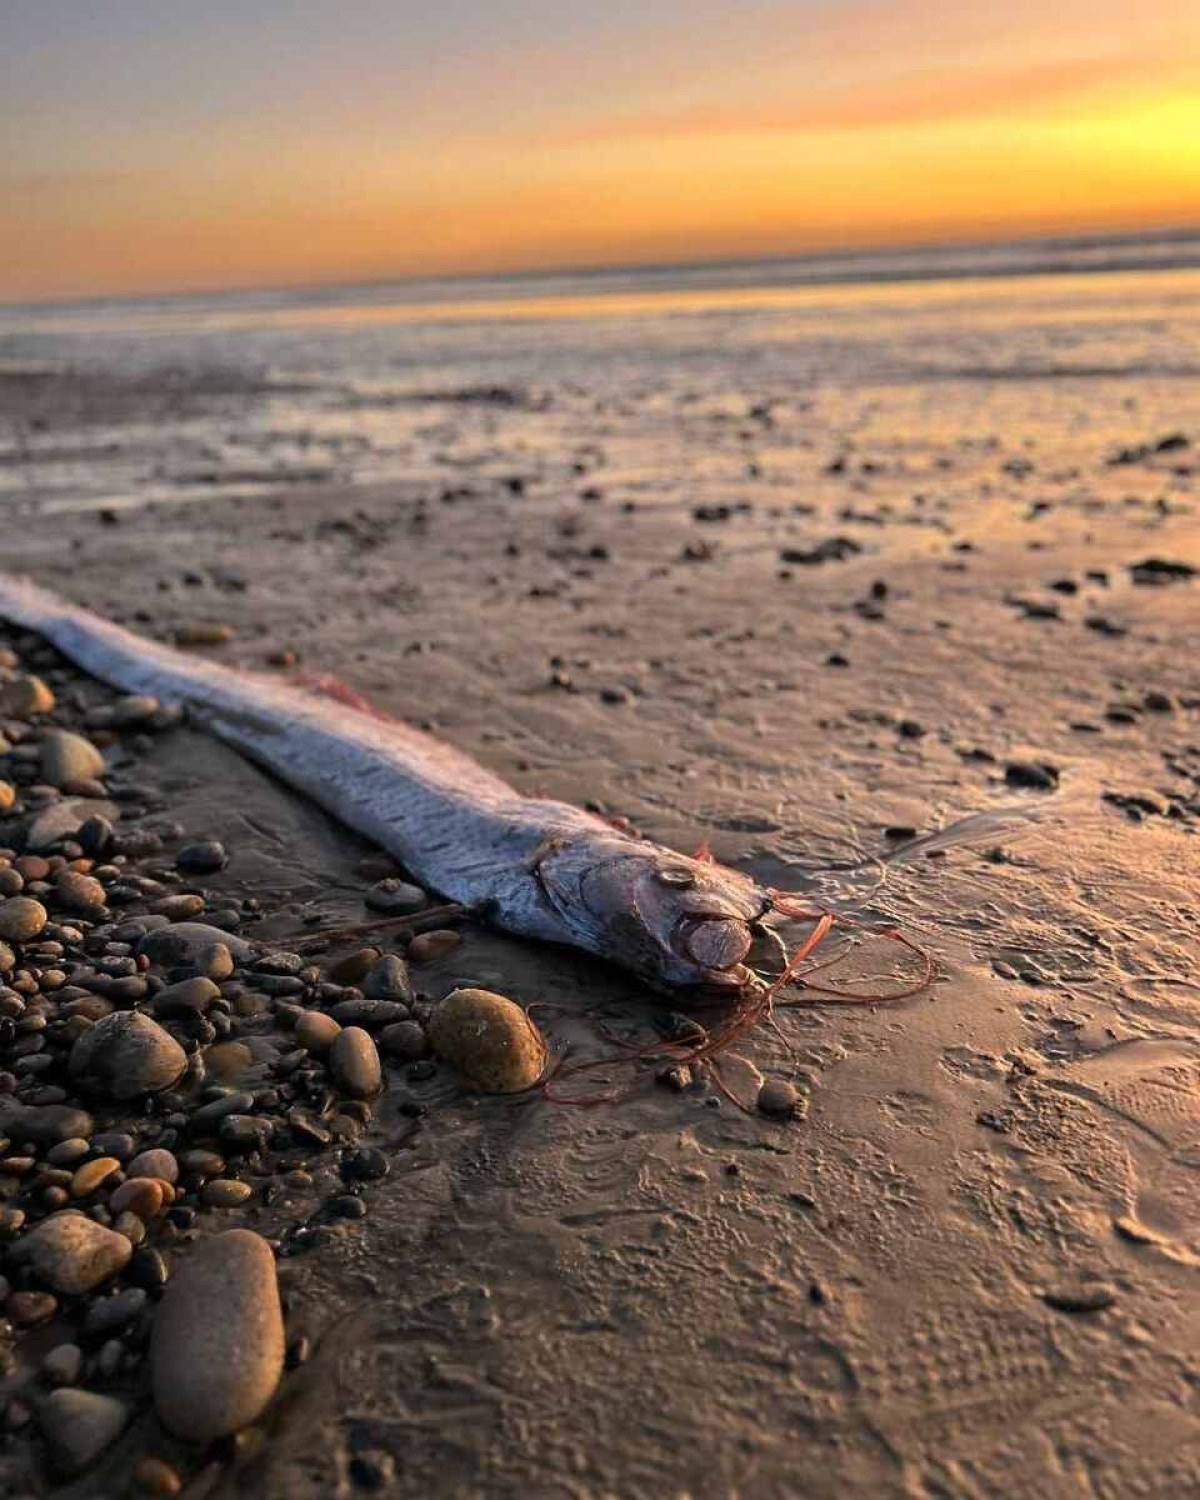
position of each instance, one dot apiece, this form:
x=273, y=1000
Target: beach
x=885, y=591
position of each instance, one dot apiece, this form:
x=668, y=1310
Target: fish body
x=538, y=868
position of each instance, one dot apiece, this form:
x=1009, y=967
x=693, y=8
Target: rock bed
x=161, y=1075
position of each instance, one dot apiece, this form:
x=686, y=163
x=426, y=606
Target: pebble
x=354, y=1063
x=78, y=1425
x=179, y=908
x=8, y=959
x=155, y=1477
x=204, y=633
x=214, y=963
x=44, y=1124
x=72, y=1254
x=395, y=896
x=126, y=1055
x=183, y=942
x=354, y=967
x=204, y=858
x=405, y=1040
x=22, y=697
x=22, y=919
x=489, y=1039
x=364, y=1164
x=62, y=1365
x=93, y=1174
x=8, y=796
x=388, y=979
x=427, y=946
x=1091, y=1296
x=107, y=1315
x=1032, y=775
x=143, y=1196
x=224, y=1192
x=156, y=1162
x=781, y=1100
x=63, y=820
x=190, y=997
x=28, y=1309
x=76, y=892
x=212, y=1113
x=369, y=1013
x=316, y=1032
x=69, y=757
x=210, y=1375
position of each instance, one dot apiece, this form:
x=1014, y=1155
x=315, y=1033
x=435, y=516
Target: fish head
x=674, y=920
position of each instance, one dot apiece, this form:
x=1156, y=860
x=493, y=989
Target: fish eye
x=677, y=877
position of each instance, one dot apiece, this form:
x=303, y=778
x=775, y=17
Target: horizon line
x=1055, y=240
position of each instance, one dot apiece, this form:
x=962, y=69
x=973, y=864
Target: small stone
x=149, y=1268
x=204, y=858
x=179, y=908
x=21, y=919
x=316, y=1032
x=215, y=962
x=1032, y=775
x=1088, y=1296
x=116, y=1143
x=388, y=979
x=354, y=967
x=395, y=896
x=28, y=1309
x=23, y=697
x=203, y=1163
x=8, y=796
x=489, y=1039
x=107, y=1315
x=154, y=1163
x=212, y=1113
x=246, y=1132
x=143, y=1196
x=354, y=1063
x=182, y=942
x=44, y=1124
x=427, y=946
x=405, y=1040
x=369, y=1014
x=126, y=1055
x=72, y=1253
x=78, y=1425
x=204, y=633
x=190, y=997
x=63, y=820
x=224, y=1192
x=62, y=1365
x=154, y=1477
x=781, y=1100
x=76, y=892
x=227, y=1061
x=211, y=1376
x=364, y=1164
x=69, y=757
x=93, y=1174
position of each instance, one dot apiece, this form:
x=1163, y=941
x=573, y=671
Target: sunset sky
x=159, y=145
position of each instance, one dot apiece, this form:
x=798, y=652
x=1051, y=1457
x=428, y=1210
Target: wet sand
x=664, y=1295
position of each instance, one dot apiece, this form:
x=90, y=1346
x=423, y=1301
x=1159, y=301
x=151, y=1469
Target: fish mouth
x=716, y=944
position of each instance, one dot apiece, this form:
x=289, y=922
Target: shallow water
x=624, y=380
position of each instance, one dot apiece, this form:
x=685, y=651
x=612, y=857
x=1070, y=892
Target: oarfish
x=538, y=868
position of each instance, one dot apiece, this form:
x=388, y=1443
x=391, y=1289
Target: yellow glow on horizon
x=1108, y=155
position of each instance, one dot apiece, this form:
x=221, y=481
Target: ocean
x=251, y=392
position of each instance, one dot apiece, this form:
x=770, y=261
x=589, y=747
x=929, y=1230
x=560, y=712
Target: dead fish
x=538, y=868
